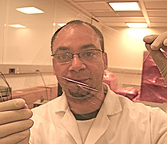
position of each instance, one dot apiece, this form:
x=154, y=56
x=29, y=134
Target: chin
x=79, y=92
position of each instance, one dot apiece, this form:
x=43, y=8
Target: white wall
x=28, y=49
x=30, y=46
x=125, y=47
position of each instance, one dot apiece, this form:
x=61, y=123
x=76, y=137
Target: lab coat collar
x=62, y=104
x=68, y=120
x=111, y=103
x=111, y=106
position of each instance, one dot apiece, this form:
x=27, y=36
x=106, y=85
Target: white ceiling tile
x=158, y=19
x=105, y=14
x=121, y=19
x=116, y=24
x=94, y=6
x=152, y=11
x=156, y=4
x=158, y=24
x=157, y=13
x=130, y=14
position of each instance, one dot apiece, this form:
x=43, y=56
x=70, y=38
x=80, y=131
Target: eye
x=88, y=54
x=63, y=56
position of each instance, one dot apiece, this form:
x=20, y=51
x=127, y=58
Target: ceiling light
x=124, y=6
x=29, y=10
x=17, y=26
x=137, y=25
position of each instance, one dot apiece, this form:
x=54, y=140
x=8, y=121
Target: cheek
x=59, y=73
x=97, y=69
x=58, y=70
x=105, y=61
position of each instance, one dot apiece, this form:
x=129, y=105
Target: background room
x=25, y=38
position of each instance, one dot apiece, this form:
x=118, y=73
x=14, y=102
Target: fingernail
x=20, y=103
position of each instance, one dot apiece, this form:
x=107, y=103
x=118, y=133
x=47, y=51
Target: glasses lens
x=63, y=57
x=89, y=54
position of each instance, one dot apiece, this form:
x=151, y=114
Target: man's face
x=74, y=39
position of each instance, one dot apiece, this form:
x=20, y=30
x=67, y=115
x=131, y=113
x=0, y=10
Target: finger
x=17, y=115
x=12, y=105
x=158, y=43
x=148, y=47
x=16, y=138
x=149, y=39
x=12, y=128
x=158, y=57
x=164, y=45
x=165, y=42
x=25, y=141
x=26, y=106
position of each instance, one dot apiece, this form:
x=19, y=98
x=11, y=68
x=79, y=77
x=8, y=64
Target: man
x=87, y=112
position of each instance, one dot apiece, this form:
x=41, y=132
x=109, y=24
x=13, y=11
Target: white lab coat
x=119, y=121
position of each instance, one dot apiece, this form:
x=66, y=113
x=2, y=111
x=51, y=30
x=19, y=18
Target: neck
x=87, y=104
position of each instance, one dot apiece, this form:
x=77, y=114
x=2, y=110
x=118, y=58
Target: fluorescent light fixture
x=61, y=24
x=17, y=26
x=29, y=10
x=137, y=25
x=125, y=6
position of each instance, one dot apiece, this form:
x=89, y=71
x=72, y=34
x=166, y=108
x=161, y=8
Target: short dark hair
x=79, y=22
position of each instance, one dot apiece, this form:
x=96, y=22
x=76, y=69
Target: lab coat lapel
x=70, y=124
x=111, y=106
x=99, y=127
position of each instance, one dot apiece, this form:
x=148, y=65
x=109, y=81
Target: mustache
x=80, y=84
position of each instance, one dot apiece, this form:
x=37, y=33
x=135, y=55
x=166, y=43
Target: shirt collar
x=111, y=103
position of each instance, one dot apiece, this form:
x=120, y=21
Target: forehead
x=75, y=36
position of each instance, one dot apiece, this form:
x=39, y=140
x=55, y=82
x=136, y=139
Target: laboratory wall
x=25, y=52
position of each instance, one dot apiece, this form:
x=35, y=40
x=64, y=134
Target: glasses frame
x=76, y=54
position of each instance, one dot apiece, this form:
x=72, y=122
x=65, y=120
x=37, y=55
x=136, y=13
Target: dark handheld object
x=5, y=92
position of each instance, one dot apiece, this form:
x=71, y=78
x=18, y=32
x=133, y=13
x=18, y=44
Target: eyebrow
x=88, y=46
x=63, y=48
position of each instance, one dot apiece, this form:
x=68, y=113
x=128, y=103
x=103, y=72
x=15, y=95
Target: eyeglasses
x=86, y=55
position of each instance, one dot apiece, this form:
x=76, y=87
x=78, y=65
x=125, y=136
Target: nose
x=77, y=64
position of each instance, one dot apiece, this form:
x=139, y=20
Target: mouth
x=79, y=83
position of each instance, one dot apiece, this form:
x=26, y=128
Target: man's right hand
x=154, y=44
x=15, y=122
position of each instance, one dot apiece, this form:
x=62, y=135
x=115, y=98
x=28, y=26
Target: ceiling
x=153, y=12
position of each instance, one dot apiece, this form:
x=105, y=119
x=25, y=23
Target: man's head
x=78, y=55
x=79, y=22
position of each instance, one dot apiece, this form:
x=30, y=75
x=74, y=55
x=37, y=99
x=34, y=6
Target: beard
x=79, y=92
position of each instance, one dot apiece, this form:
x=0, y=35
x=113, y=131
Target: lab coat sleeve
x=159, y=127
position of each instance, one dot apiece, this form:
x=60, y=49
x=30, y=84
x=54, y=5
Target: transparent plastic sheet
x=153, y=87
x=109, y=77
x=5, y=91
x=83, y=88
x=120, y=50
x=121, y=57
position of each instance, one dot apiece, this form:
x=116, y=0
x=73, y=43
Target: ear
x=105, y=60
x=53, y=67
